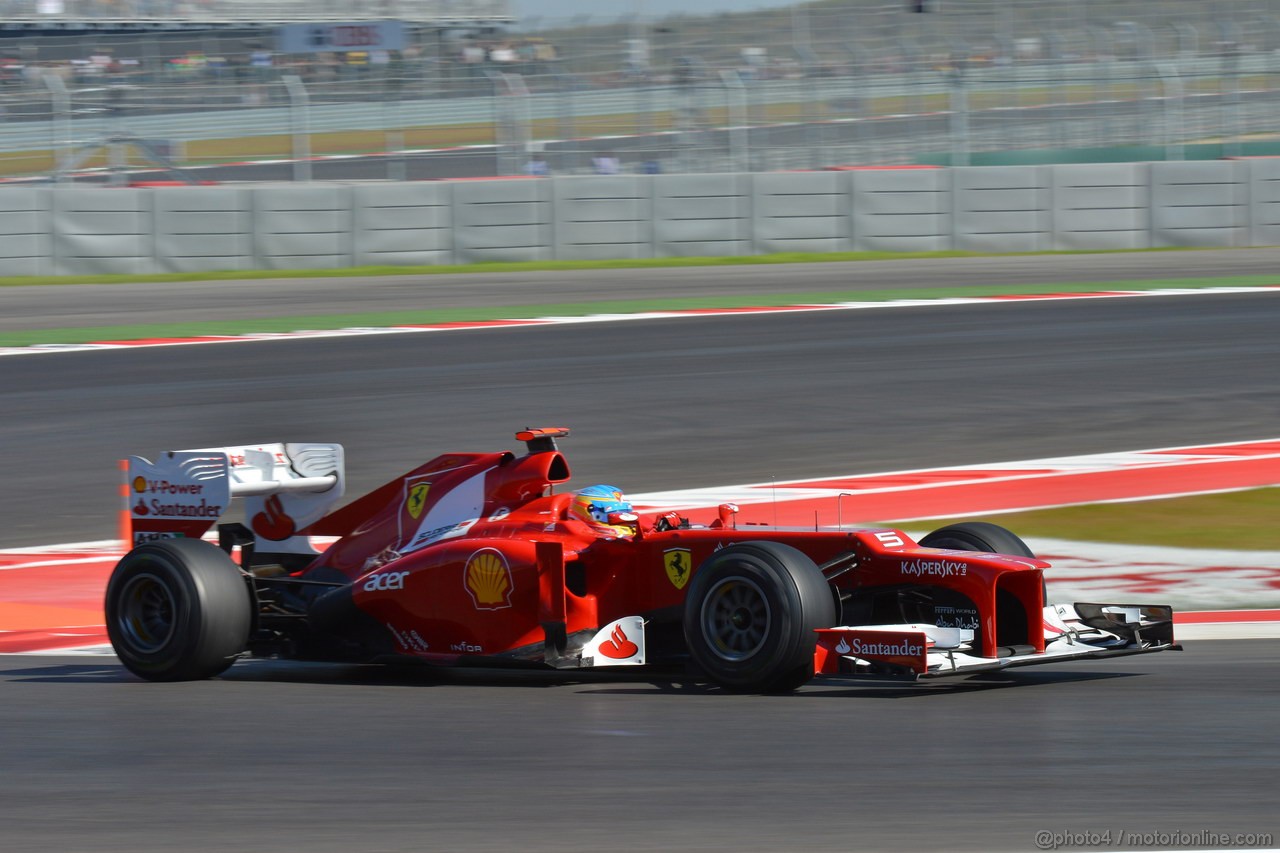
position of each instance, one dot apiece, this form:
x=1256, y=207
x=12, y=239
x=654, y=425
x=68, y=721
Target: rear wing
x=285, y=487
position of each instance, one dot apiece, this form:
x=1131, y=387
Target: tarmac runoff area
x=51, y=597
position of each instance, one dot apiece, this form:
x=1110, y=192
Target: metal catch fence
x=814, y=85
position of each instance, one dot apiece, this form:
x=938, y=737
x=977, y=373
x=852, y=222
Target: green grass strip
x=459, y=269
x=319, y=322
x=529, y=266
x=316, y=322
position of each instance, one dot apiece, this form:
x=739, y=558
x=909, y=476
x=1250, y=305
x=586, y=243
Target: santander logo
x=274, y=524
x=618, y=646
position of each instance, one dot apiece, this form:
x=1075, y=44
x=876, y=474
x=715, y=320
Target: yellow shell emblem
x=488, y=580
x=417, y=499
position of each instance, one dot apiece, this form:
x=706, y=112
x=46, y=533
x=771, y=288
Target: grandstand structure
x=35, y=17
x=814, y=84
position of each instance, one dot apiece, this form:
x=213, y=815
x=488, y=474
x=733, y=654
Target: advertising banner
x=320, y=38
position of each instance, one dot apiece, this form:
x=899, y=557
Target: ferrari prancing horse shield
x=679, y=565
x=417, y=499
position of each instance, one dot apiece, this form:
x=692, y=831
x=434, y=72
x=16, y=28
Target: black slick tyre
x=177, y=610
x=750, y=616
x=977, y=536
x=990, y=539
x=980, y=536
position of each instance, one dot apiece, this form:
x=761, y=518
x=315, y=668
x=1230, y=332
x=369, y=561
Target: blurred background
x=634, y=86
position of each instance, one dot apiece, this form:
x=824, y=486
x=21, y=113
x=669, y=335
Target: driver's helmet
x=604, y=508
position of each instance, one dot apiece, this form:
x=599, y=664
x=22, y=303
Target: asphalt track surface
x=318, y=758
x=277, y=756
x=653, y=405
x=81, y=305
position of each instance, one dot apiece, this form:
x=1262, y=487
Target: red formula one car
x=475, y=559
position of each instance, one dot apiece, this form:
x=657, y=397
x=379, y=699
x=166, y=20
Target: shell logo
x=487, y=578
x=139, y=484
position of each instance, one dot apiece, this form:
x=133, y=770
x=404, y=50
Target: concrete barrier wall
x=1264, y=203
x=25, y=232
x=95, y=230
x=1102, y=206
x=901, y=211
x=303, y=226
x=1002, y=208
x=509, y=220
x=801, y=212
x=1200, y=203
x=203, y=228
x=698, y=215
x=599, y=218
x=403, y=224
x=103, y=232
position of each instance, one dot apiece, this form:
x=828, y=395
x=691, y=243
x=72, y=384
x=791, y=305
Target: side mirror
x=727, y=513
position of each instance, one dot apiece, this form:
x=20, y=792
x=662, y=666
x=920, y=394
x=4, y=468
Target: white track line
x=44, y=349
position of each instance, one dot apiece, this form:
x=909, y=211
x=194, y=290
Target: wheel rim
x=147, y=613
x=735, y=618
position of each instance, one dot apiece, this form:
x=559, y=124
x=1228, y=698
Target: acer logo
x=385, y=581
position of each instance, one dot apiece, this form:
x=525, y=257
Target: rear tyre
x=991, y=539
x=177, y=610
x=751, y=613
x=977, y=536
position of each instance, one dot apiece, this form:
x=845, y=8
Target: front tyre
x=177, y=610
x=751, y=613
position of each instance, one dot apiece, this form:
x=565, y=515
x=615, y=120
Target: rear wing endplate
x=285, y=487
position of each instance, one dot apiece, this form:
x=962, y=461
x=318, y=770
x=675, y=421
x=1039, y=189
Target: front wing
x=1072, y=631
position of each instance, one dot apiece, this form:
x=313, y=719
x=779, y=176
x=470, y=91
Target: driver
x=605, y=510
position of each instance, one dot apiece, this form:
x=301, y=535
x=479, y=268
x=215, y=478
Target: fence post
x=511, y=121
x=567, y=160
x=393, y=126
x=1174, y=94
x=1230, y=71
x=736, y=97
x=299, y=126
x=62, y=144
x=1103, y=47
x=959, y=111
